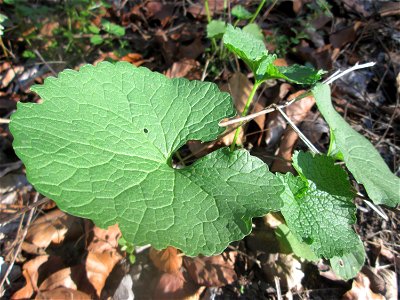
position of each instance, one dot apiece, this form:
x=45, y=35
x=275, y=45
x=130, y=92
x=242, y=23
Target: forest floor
x=48, y=254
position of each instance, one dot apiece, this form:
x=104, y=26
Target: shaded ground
x=42, y=38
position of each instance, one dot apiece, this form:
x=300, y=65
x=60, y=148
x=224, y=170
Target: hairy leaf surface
x=101, y=143
x=318, y=205
x=360, y=156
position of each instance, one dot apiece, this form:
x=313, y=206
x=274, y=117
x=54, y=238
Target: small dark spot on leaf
x=145, y=130
x=341, y=263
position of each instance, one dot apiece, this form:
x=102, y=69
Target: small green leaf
x=360, y=156
x=101, y=143
x=112, y=28
x=246, y=46
x=28, y=54
x=216, y=29
x=348, y=265
x=289, y=243
x=132, y=258
x=254, y=30
x=294, y=73
x=318, y=206
x=94, y=29
x=241, y=13
x=96, y=39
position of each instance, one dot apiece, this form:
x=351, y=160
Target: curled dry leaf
x=168, y=260
x=51, y=228
x=63, y=293
x=361, y=290
x=212, y=271
x=102, y=255
x=61, y=278
x=42, y=266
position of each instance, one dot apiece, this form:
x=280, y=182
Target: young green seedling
x=101, y=145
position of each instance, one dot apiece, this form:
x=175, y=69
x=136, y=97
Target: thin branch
x=24, y=210
x=297, y=130
x=377, y=209
x=338, y=74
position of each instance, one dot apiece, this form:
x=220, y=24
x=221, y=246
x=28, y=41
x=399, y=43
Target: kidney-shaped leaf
x=101, y=143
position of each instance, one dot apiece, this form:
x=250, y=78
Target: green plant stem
x=260, y=6
x=207, y=8
x=244, y=113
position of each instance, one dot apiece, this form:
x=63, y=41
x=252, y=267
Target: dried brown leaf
x=52, y=227
x=63, y=293
x=168, y=260
x=102, y=255
x=42, y=266
x=345, y=36
x=212, y=271
x=361, y=290
x=175, y=286
x=183, y=68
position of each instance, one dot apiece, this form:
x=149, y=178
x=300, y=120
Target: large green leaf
x=360, y=156
x=318, y=206
x=101, y=143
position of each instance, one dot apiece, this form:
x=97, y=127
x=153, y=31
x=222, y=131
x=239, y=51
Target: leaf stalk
x=244, y=113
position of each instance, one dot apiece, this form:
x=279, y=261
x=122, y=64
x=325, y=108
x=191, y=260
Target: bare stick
x=376, y=209
x=24, y=210
x=4, y=121
x=339, y=73
x=297, y=130
x=278, y=288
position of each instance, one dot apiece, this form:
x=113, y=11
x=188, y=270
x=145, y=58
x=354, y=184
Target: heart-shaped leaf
x=101, y=143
